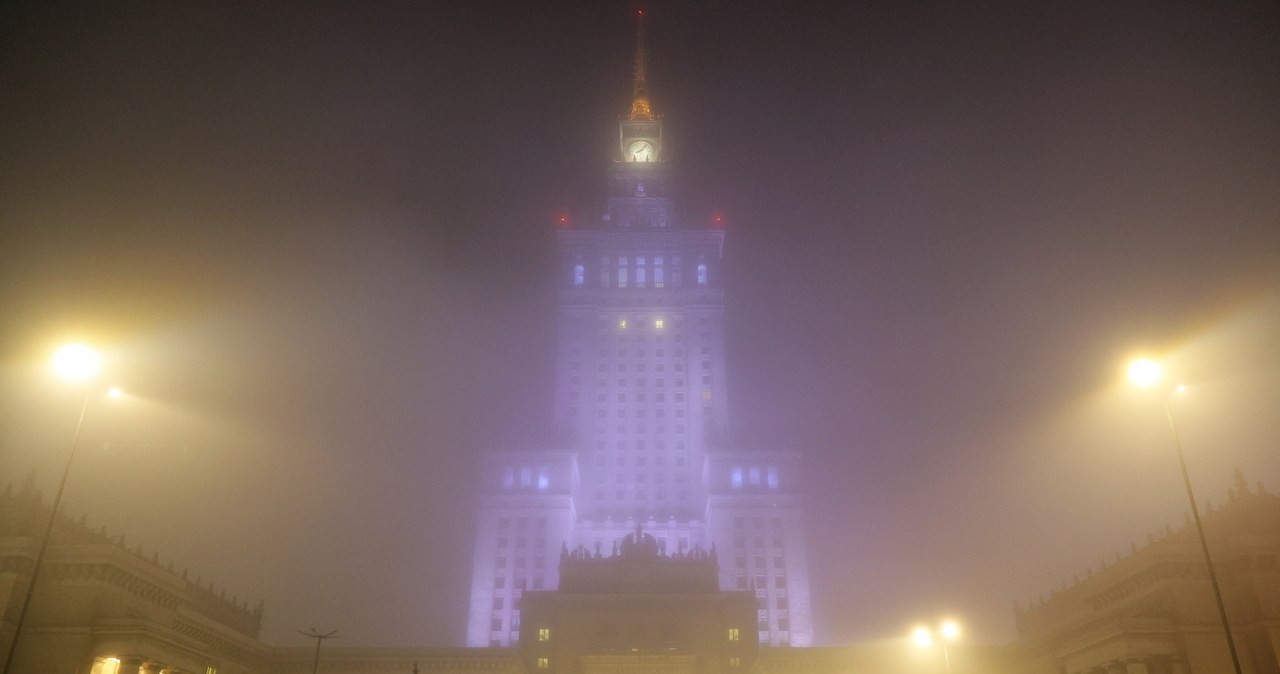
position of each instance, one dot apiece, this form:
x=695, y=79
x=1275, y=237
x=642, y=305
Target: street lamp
x=948, y=631
x=73, y=362
x=1146, y=373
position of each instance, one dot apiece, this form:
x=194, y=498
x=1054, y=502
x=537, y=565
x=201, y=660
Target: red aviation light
x=562, y=221
x=718, y=221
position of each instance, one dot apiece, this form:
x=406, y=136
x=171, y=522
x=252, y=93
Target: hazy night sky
x=318, y=243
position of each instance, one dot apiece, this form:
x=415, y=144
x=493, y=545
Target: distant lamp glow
x=115, y=392
x=950, y=630
x=1181, y=388
x=1144, y=372
x=76, y=362
x=922, y=637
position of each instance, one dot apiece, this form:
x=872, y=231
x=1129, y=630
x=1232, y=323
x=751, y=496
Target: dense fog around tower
x=318, y=246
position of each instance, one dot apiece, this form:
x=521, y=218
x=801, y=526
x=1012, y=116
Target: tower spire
x=640, y=85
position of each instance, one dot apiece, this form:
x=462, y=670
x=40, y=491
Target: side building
x=1153, y=612
x=641, y=416
x=99, y=608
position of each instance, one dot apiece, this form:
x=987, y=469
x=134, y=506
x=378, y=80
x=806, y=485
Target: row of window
x=538, y=562
x=753, y=476
x=522, y=523
x=641, y=494
x=639, y=477
x=526, y=477
x=500, y=583
x=659, y=413
x=521, y=542
x=740, y=542
x=640, y=429
x=640, y=382
x=757, y=522
x=646, y=272
x=602, y=455
x=741, y=563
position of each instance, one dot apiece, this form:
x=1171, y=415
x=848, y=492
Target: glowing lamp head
x=950, y=630
x=1144, y=372
x=922, y=637
x=115, y=392
x=76, y=362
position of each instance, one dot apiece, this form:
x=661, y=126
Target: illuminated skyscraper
x=641, y=410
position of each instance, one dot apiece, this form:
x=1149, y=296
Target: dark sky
x=317, y=244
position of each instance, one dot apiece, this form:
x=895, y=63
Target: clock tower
x=638, y=196
x=640, y=407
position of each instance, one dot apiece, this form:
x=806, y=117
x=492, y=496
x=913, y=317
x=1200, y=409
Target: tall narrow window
x=544, y=478
x=622, y=272
x=508, y=477
x=773, y=477
x=657, y=272
x=579, y=275
x=735, y=477
x=544, y=634
x=702, y=273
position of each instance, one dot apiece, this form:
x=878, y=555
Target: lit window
x=657, y=272
x=734, y=634
x=579, y=275
x=773, y=477
x=544, y=478
x=544, y=634
x=702, y=273
x=622, y=323
x=706, y=395
x=544, y=663
x=736, y=477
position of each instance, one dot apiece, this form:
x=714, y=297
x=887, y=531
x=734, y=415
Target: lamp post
x=1146, y=374
x=73, y=362
x=948, y=631
x=313, y=634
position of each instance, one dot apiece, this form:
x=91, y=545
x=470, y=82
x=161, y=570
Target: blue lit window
x=702, y=273
x=773, y=477
x=579, y=274
x=657, y=272
x=735, y=477
x=544, y=478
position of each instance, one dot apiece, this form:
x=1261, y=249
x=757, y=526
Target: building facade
x=100, y=608
x=641, y=414
x=1153, y=611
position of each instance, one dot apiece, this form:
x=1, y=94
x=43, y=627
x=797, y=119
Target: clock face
x=641, y=150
